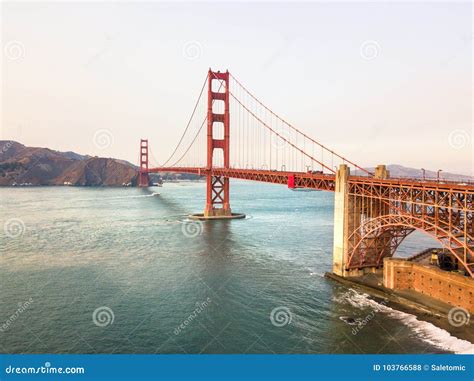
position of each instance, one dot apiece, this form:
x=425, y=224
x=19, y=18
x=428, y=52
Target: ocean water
x=104, y=270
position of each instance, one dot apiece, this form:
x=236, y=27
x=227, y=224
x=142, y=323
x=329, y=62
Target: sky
x=387, y=83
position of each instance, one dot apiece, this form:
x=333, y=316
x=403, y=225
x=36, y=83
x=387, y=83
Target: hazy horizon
x=368, y=167
x=380, y=83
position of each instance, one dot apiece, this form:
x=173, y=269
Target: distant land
x=416, y=173
x=22, y=165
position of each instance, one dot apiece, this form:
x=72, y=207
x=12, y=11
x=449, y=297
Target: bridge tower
x=217, y=197
x=351, y=213
x=143, y=177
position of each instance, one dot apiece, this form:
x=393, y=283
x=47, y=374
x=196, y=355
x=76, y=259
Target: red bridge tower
x=143, y=177
x=217, y=200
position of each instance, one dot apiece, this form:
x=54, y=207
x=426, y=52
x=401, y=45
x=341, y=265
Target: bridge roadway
x=320, y=181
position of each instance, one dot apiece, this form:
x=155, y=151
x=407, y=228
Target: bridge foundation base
x=202, y=216
x=351, y=273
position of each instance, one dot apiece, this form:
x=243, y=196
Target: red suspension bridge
x=232, y=134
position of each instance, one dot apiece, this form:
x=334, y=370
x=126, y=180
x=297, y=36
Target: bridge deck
x=302, y=180
x=319, y=181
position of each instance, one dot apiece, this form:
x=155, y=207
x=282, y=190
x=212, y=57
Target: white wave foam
x=314, y=273
x=134, y=196
x=428, y=332
x=122, y=197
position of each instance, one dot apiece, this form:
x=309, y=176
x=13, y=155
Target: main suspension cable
x=189, y=122
x=280, y=136
x=297, y=130
x=196, y=136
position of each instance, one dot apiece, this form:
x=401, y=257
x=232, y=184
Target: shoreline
x=425, y=309
x=96, y=186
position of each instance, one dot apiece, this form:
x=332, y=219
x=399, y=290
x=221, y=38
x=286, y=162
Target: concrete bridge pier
x=349, y=213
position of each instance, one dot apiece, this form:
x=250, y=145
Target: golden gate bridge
x=232, y=134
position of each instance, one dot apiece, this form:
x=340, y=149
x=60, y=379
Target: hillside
x=42, y=166
x=401, y=171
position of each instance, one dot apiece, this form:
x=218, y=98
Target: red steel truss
x=443, y=210
x=300, y=180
